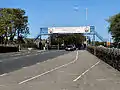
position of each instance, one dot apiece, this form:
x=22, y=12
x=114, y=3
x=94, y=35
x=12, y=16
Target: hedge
x=4, y=49
x=28, y=45
x=108, y=55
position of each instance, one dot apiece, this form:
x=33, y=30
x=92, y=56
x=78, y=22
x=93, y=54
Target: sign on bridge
x=82, y=29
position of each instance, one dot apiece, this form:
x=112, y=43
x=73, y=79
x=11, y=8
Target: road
x=14, y=61
x=60, y=70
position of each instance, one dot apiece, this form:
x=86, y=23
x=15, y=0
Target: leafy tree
x=68, y=39
x=13, y=22
x=5, y=22
x=21, y=22
x=114, y=27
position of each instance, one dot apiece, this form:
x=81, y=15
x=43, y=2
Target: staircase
x=37, y=37
x=100, y=37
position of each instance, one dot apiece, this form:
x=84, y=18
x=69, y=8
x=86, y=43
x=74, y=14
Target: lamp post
x=86, y=22
x=86, y=18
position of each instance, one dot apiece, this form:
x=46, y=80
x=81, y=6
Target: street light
x=86, y=22
x=86, y=17
x=86, y=14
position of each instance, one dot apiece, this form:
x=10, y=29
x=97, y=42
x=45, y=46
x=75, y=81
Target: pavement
x=62, y=70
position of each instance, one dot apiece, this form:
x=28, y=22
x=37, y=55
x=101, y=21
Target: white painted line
x=45, y=52
x=76, y=58
x=16, y=58
x=86, y=71
x=3, y=74
x=21, y=56
x=26, y=55
x=101, y=79
x=24, y=67
x=38, y=63
x=15, y=54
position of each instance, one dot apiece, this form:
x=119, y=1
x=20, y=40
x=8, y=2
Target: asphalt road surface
x=61, y=70
x=13, y=61
x=7, y=56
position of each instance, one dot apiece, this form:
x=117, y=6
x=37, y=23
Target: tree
x=13, y=22
x=21, y=22
x=6, y=17
x=114, y=27
x=68, y=39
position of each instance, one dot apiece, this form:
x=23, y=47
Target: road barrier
x=109, y=55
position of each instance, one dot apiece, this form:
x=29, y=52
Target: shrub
x=108, y=55
x=4, y=49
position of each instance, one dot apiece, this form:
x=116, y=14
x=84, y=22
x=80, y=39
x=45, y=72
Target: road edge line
x=86, y=71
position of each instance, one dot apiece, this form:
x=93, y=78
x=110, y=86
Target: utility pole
x=86, y=22
x=86, y=14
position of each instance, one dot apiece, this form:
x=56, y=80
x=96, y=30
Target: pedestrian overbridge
x=85, y=30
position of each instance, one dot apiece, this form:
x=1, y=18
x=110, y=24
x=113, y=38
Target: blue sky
x=47, y=13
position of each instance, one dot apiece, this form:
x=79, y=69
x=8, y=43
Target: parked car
x=70, y=48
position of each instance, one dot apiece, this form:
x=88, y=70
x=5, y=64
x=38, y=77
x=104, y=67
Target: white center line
x=86, y=71
x=76, y=58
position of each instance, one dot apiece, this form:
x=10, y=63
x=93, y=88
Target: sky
x=65, y=13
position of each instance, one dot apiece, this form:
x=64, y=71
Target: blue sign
x=92, y=28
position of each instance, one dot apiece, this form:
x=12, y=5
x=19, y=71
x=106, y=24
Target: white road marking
x=101, y=79
x=39, y=51
x=16, y=58
x=76, y=58
x=49, y=51
x=15, y=54
x=86, y=71
x=24, y=67
x=105, y=79
x=27, y=55
x=3, y=74
x=38, y=63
